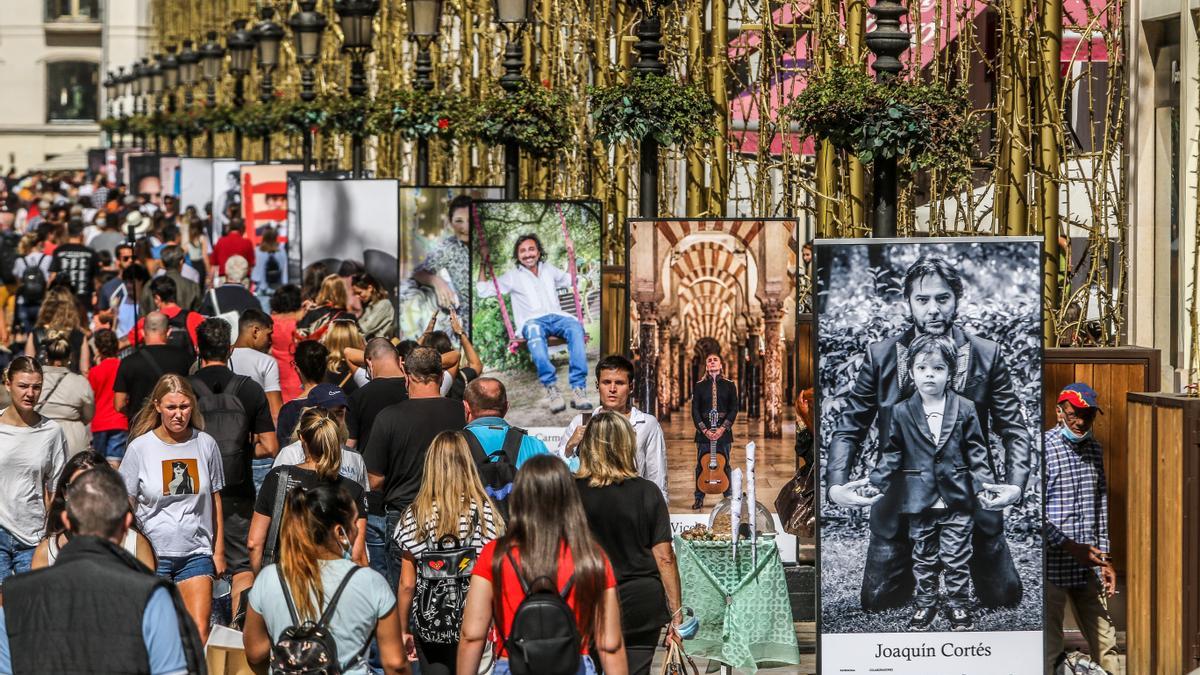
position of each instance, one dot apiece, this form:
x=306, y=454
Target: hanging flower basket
x=142, y=125
x=297, y=116
x=534, y=117
x=415, y=114
x=670, y=112
x=218, y=119
x=184, y=122
x=115, y=125
x=922, y=125
x=255, y=120
x=348, y=115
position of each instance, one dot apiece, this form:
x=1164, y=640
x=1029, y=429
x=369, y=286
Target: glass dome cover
x=764, y=523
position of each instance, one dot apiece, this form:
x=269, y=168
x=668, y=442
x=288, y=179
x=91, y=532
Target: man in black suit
x=713, y=393
x=932, y=289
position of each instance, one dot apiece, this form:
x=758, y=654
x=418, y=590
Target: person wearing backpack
x=32, y=272
x=237, y=415
x=183, y=323
x=316, y=603
x=558, y=610
x=497, y=447
x=439, y=536
x=270, y=265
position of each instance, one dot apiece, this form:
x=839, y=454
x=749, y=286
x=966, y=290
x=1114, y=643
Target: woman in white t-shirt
x=33, y=450
x=173, y=472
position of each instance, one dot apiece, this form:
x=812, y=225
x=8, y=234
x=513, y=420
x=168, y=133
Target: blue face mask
x=1072, y=436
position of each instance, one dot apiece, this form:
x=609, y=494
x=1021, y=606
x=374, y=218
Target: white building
x=54, y=57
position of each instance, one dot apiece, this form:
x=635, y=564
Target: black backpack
x=33, y=283
x=309, y=648
x=443, y=579
x=274, y=272
x=177, y=332
x=228, y=422
x=8, y=256
x=543, y=639
x=497, y=470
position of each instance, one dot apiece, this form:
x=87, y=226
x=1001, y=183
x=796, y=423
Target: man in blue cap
x=1078, y=567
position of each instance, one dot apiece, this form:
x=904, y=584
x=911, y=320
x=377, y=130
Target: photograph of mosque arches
x=699, y=286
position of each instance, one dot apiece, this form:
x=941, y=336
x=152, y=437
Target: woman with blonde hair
x=320, y=434
x=343, y=334
x=174, y=474
x=313, y=572
x=330, y=304
x=59, y=314
x=628, y=517
x=451, y=503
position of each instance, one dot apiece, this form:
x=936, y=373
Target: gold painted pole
x=825, y=168
x=719, y=65
x=695, y=163
x=1049, y=139
x=620, y=154
x=541, y=174
x=856, y=26
x=1017, y=198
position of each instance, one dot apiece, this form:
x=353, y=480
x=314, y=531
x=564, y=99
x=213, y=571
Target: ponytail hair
x=309, y=517
x=321, y=437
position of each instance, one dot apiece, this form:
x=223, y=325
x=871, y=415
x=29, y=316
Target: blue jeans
x=111, y=444
x=15, y=555
x=585, y=667
x=176, y=570
x=535, y=332
x=378, y=548
x=259, y=468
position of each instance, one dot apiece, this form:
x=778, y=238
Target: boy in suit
x=932, y=467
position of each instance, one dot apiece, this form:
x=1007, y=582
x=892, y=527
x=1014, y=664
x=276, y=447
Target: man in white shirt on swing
x=533, y=287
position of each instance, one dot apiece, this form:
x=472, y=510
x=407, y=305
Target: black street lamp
x=267, y=37
x=424, y=24
x=110, y=94
x=307, y=26
x=212, y=56
x=240, y=44
x=140, y=86
x=170, y=70
x=124, y=81
x=888, y=41
x=189, y=65
x=356, y=18
x=513, y=16
x=155, y=91
x=650, y=48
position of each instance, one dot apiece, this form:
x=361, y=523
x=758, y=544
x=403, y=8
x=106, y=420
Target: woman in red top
x=285, y=311
x=548, y=538
x=110, y=428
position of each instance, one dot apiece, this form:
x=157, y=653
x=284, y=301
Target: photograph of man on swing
x=535, y=307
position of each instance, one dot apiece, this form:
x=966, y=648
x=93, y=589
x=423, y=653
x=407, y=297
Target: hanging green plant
x=255, y=120
x=347, y=115
x=659, y=106
x=534, y=117
x=115, y=125
x=141, y=125
x=183, y=122
x=414, y=114
x=218, y=119
x=297, y=116
x=922, y=125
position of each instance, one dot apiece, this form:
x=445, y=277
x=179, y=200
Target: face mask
x=1072, y=436
x=345, y=544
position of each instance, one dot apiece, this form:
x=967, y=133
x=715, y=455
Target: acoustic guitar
x=712, y=479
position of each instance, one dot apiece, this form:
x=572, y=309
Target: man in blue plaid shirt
x=1077, y=562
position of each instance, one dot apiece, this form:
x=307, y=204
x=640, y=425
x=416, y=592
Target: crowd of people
x=215, y=445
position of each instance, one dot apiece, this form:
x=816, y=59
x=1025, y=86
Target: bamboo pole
x=1049, y=142
x=719, y=66
x=695, y=164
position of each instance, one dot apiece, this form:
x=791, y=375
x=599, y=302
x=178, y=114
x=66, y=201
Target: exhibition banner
x=929, y=394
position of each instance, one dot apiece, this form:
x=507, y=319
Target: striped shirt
x=416, y=540
x=1076, y=505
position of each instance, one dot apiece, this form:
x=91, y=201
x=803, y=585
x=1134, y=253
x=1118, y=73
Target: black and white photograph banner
x=352, y=220
x=929, y=382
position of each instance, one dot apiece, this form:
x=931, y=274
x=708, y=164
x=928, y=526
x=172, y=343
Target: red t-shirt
x=230, y=245
x=511, y=586
x=193, y=322
x=283, y=349
x=101, y=377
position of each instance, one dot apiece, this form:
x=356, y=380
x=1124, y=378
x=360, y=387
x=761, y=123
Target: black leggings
x=437, y=659
x=639, y=650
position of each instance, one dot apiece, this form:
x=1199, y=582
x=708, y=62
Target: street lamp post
x=513, y=16
x=156, y=88
x=110, y=94
x=189, y=61
x=307, y=26
x=240, y=44
x=124, y=80
x=140, y=85
x=649, y=47
x=424, y=24
x=888, y=41
x=170, y=70
x=212, y=55
x=267, y=37
x=358, y=31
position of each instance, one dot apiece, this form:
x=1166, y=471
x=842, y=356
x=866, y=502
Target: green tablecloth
x=744, y=610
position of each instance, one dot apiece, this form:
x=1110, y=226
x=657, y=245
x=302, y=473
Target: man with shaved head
x=140, y=371
x=486, y=403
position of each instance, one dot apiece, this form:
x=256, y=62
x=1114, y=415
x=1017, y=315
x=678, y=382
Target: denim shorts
x=111, y=444
x=186, y=567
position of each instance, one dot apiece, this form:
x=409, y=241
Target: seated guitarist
x=713, y=394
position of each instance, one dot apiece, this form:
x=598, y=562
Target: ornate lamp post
x=212, y=55
x=649, y=47
x=424, y=24
x=513, y=16
x=140, y=86
x=307, y=26
x=888, y=41
x=267, y=37
x=124, y=84
x=358, y=31
x=189, y=62
x=155, y=91
x=110, y=94
x=240, y=44
x=169, y=64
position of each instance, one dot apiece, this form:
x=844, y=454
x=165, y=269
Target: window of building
x=72, y=10
x=72, y=90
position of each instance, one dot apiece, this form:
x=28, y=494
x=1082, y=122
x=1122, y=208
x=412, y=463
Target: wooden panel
x=1168, y=549
x=1139, y=581
x=806, y=348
